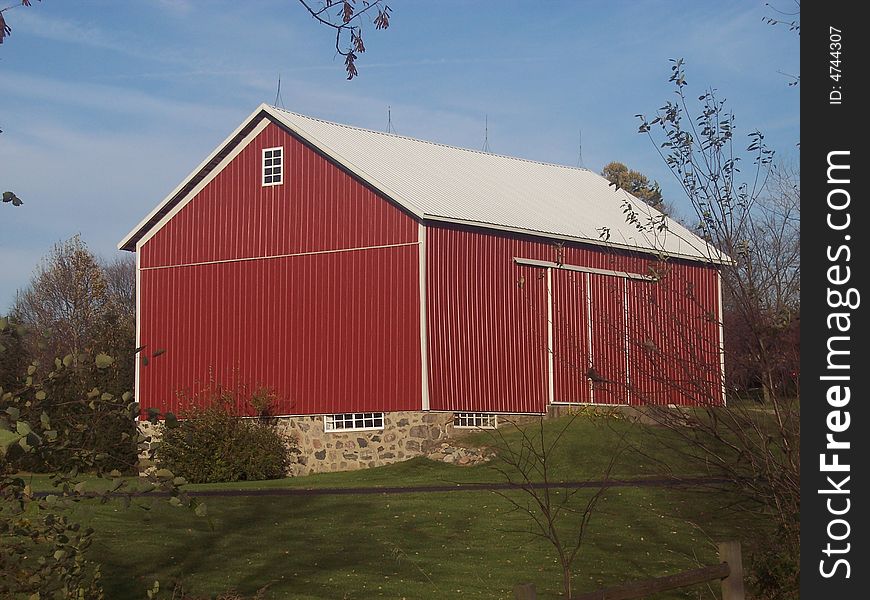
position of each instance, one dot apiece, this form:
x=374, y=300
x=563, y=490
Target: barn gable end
x=283, y=287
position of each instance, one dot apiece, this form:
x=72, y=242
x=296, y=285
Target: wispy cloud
x=100, y=100
x=80, y=33
x=178, y=8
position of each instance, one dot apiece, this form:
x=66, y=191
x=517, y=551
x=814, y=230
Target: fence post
x=525, y=591
x=732, y=586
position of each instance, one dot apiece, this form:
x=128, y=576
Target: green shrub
x=214, y=444
x=775, y=568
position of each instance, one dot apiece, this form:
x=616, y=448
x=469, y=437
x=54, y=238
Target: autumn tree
x=761, y=294
x=76, y=306
x=635, y=183
x=67, y=296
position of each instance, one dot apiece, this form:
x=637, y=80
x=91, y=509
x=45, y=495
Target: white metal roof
x=437, y=182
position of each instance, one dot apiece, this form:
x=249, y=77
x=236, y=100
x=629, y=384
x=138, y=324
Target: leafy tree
x=43, y=549
x=752, y=216
x=635, y=183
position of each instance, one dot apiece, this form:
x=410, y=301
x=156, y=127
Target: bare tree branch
x=346, y=20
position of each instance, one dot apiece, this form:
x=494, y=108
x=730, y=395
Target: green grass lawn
x=417, y=545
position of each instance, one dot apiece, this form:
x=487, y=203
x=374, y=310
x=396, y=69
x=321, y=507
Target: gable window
x=273, y=166
x=353, y=421
x=469, y=420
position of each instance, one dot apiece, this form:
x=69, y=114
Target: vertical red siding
x=310, y=288
x=319, y=207
x=330, y=333
x=674, y=337
x=608, y=340
x=571, y=341
x=487, y=324
x=651, y=341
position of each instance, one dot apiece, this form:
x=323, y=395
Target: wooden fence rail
x=646, y=587
x=729, y=571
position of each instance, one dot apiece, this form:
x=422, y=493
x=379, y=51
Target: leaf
x=4, y=31
x=103, y=361
x=200, y=510
x=68, y=360
x=164, y=473
x=8, y=196
x=40, y=395
x=13, y=413
x=7, y=438
x=22, y=427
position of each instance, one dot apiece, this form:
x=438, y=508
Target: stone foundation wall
x=405, y=435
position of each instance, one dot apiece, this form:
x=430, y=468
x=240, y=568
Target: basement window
x=470, y=420
x=353, y=421
x=273, y=166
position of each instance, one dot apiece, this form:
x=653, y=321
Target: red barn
x=396, y=287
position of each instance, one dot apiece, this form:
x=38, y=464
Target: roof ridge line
x=443, y=145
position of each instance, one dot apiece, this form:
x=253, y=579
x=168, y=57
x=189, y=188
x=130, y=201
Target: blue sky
x=107, y=105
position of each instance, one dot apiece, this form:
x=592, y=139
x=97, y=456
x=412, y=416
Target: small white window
x=353, y=421
x=469, y=420
x=273, y=166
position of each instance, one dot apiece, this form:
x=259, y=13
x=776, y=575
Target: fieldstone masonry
x=405, y=435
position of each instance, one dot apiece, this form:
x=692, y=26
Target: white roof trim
x=128, y=239
x=209, y=177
